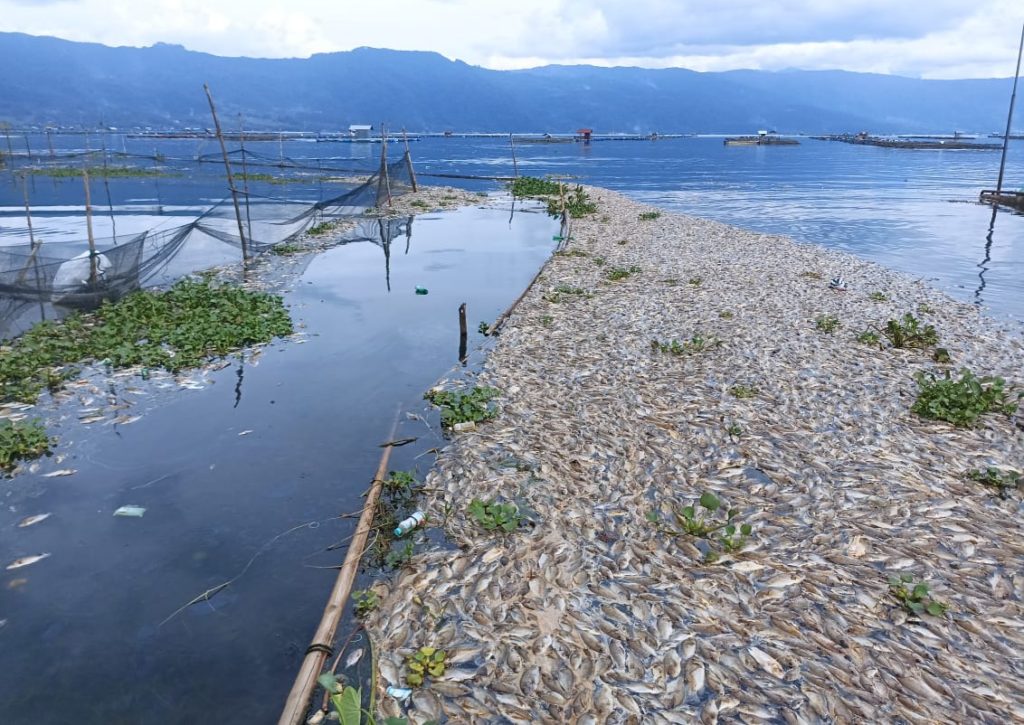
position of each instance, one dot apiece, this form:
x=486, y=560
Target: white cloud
x=938, y=38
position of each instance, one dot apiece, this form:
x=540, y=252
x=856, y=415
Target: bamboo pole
x=1009, y=117
x=49, y=142
x=227, y=168
x=321, y=648
x=88, y=228
x=32, y=257
x=408, y=161
x=462, y=333
x=515, y=164
x=384, y=160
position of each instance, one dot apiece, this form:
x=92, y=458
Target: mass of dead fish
x=593, y=615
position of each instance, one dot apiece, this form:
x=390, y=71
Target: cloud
x=940, y=38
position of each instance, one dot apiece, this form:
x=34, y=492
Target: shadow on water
x=248, y=489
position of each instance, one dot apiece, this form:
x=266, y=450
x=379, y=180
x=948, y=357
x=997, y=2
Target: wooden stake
x=88, y=228
x=227, y=168
x=321, y=648
x=408, y=161
x=515, y=165
x=245, y=172
x=462, y=332
x=384, y=160
x=49, y=142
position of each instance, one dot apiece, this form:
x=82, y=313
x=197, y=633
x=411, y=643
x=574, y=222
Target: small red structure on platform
x=583, y=134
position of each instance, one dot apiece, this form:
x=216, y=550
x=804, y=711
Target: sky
x=932, y=39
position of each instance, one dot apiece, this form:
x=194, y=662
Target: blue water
x=912, y=210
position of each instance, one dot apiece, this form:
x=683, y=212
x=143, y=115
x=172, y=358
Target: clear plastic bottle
x=414, y=521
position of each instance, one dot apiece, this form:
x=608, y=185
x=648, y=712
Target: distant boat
x=763, y=138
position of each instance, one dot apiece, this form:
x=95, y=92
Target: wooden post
x=28, y=149
x=280, y=149
x=1009, y=117
x=32, y=261
x=7, y=132
x=408, y=161
x=227, y=168
x=384, y=159
x=88, y=228
x=49, y=142
x=321, y=648
x=515, y=165
x=462, y=332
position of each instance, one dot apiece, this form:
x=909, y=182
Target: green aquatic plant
x=22, y=441
x=915, y=598
x=616, y=273
x=179, y=328
x=547, y=320
x=924, y=308
x=827, y=323
x=397, y=557
x=726, y=315
x=599, y=261
x=647, y=216
x=1002, y=481
x=743, y=391
x=878, y=297
x=869, y=337
x=572, y=253
x=419, y=204
x=425, y=662
x=484, y=329
x=462, y=406
x=622, y=242
x=319, y=230
x=961, y=401
x=941, y=356
x=400, y=482
x=577, y=203
x=531, y=186
x=563, y=291
x=284, y=249
x=695, y=281
x=699, y=520
x=909, y=332
x=492, y=515
x=812, y=275
x=734, y=430
x=110, y=172
x=696, y=344
x=366, y=601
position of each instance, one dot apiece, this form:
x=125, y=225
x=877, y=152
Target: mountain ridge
x=64, y=82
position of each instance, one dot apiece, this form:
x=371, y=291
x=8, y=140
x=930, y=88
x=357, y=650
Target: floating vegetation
x=546, y=320
x=812, y=275
x=941, y=356
x=419, y=204
x=400, y=483
x=697, y=343
x=425, y=662
x=366, y=600
x=697, y=520
x=622, y=242
x=909, y=332
x=734, y=430
x=492, y=515
x=726, y=315
x=396, y=558
x=743, y=391
x=616, y=273
x=1002, y=481
x=484, y=329
x=869, y=337
x=463, y=406
x=599, y=261
x=571, y=253
x=695, y=281
x=878, y=297
x=915, y=598
x=531, y=186
x=826, y=323
x=563, y=291
x=285, y=249
x=319, y=230
x=176, y=329
x=648, y=216
x=110, y=172
x=577, y=204
x=961, y=402
x=924, y=309
x=22, y=441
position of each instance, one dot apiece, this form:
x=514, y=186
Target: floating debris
x=26, y=561
x=132, y=511
x=61, y=472
x=32, y=520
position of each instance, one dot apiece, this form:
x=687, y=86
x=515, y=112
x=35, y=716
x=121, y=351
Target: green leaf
x=688, y=513
x=709, y=501
x=329, y=682
x=936, y=609
x=349, y=706
x=652, y=516
x=916, y=607
x=730, y=530
x=907, y=578
x=416, y=666
x=920, y=591
x=436, y=670
x=746, y=529
x=396, y=721
x=414, y=679
x=439, y=656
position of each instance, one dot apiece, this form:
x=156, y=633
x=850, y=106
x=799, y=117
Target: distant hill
x=53, y=81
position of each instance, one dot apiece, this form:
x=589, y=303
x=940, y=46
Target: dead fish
x=768, y=663
x=26, y=561
x=61, y=472
x=30, y=520
x=353, y=658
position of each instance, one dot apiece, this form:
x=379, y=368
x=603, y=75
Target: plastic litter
x=838, y=283
x=464, y=427
x=399, y=693
x=414, y=521
x=421, y=290
x=134, y=511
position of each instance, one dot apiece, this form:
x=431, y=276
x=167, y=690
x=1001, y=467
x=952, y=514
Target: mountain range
x=59, y=82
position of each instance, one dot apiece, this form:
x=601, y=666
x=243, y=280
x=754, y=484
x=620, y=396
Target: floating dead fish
x=32, y=520
x=130, y=511
x=353, y=658
x=61, y=472
x=26, y=561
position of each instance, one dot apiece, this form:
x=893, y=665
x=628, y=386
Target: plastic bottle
x=414, y=521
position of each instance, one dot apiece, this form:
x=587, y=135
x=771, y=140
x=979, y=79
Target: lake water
x=83, y=635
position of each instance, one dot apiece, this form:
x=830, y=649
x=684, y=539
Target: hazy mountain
x=47, y=80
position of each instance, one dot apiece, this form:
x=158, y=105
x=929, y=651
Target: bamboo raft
x=945, y=144
x=1012, y=199
x=760, y=141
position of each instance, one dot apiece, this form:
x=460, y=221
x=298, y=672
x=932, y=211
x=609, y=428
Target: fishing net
x=42, y=276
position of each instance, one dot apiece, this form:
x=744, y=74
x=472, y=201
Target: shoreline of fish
x=594, y=615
